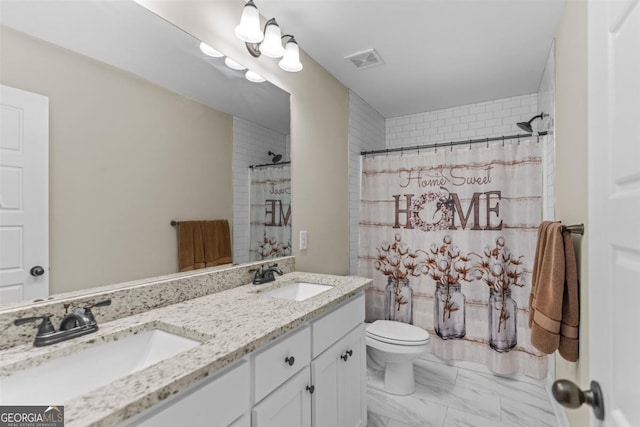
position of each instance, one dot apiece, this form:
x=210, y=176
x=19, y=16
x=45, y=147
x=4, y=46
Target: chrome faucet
x=266, y=275
x=80, y=322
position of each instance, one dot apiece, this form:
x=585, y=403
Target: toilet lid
x=397, y=333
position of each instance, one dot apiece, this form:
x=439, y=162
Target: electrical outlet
x=303, y=240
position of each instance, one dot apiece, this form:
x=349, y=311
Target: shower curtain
x=270, y=228
x=448, y=236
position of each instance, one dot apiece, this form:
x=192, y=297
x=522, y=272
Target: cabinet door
x=352, y=407
x=288, y=406
x=339, y=378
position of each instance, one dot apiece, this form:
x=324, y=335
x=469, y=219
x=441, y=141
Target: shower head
x=526, y=126
x=275, y=158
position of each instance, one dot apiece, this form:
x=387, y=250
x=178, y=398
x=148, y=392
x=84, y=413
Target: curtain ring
x=451, y=146
x=518, y=139
x=487, y=142
x=503, y=140
x=469, y=143
x=401, y=151
x=538, y=139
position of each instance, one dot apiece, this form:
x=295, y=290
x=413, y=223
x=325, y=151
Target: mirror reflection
x=143, y=129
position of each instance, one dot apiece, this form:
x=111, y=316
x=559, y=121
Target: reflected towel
x=554, y=315
x=203, y=244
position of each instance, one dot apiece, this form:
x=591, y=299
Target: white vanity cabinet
x=329, y=391
x=224, y=400
x=314, y=376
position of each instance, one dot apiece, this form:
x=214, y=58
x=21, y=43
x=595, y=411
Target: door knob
x=36, y=271
x=568, y=394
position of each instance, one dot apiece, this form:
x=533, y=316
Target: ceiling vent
x=365, y=59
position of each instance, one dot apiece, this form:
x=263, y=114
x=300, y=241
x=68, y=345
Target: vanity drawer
x=279, y=362
x=335, y=324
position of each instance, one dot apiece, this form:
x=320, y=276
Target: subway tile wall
x=546, y=104
x=251, y=144
x=366, y=132
x=484, y=119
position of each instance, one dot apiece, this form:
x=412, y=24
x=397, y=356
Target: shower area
x=445, y=208
x=270, y=209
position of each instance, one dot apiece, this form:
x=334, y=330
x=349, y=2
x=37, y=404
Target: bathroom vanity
x=314, y=375
x=259, y=359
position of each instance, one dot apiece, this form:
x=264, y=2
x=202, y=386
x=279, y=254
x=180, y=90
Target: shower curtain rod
x=269, y=164
x=448, y=144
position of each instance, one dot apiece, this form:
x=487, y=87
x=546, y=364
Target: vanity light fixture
x=249, y=29
x=270, y=42
x=233, y=64
x=209, y=51
x=250, y=75
x=254, y=77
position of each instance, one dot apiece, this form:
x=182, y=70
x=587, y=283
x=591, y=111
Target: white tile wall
x=546, y=104
x=485, y=119
x=251, y=143
x=366, y=132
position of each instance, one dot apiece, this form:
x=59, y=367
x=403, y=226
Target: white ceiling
x=127, y=36
x=437, y=53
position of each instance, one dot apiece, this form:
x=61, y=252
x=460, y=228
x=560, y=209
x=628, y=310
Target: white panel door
x=614, y=207
x=24, y=202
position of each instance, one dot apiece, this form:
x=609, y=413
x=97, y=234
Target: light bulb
x=254, y=77
x=291, y=60
x=233, y=64
x=249, y=28
x=209, y=51
x=272, y=44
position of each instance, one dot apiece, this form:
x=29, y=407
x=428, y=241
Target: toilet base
x=399, y=378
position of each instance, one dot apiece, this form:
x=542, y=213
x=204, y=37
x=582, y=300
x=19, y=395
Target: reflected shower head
x=526, y=126
x=275, y=158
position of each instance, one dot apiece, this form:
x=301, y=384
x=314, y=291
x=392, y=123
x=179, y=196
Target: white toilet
x=394, y=346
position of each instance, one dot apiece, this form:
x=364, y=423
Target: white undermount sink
x=62, y=379
x=298, y=291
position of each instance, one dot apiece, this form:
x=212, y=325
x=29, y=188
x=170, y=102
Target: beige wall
x=571, y=172
x=319, y=131
x=126, y=157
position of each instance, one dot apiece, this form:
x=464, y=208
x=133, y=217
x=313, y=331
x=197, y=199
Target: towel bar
x=575, y=229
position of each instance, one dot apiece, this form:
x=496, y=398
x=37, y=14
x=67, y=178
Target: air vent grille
x=365, y=59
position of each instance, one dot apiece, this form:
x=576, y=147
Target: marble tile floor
x=448, y=396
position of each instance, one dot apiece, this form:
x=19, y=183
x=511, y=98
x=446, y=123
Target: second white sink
x=62, y=379
x=298, y=291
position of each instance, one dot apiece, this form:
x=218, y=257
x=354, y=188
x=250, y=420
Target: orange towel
x=554, y=315
x=203, y=244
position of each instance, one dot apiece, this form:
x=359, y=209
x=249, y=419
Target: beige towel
x=203, y=244
x=554, y=303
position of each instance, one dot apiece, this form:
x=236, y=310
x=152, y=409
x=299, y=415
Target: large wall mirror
x=144, y=128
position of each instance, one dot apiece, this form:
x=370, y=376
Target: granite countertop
x=230, y=324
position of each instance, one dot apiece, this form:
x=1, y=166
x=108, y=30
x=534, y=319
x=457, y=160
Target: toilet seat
x=397, y=333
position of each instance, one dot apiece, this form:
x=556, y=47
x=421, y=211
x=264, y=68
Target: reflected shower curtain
x=449, y=237
x=270, y=228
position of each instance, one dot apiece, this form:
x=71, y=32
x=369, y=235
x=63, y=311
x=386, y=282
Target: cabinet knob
x=346, y=355
x=311, y=389
x=290, y=360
